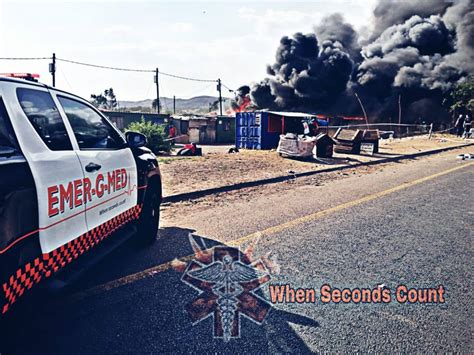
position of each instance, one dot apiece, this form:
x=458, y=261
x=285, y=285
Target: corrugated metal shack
x=262, y=129
x=202, y=130
x=181, y=124
x=196, y=129
x=122, y=119
x=225, y=129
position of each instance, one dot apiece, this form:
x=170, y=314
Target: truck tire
x=149, y=220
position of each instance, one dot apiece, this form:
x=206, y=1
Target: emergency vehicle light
x=26, y=76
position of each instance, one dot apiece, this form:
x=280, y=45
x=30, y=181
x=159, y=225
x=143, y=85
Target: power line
x=64, y=76
x=200, y=90
x=104, y=66
x=24, y=58
x=134, y=70
x=186, y=78
x=115, y=68
x=228, y=88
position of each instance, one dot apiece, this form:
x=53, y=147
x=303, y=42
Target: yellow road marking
x=272, y=230
x=316, y=215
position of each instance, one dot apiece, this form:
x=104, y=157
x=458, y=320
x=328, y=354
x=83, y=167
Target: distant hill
x=198, y=104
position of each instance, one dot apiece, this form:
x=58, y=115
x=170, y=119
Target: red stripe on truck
x=48, y=264
x=29, y=234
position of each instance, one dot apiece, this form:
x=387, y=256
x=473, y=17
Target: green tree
x=214, y=106
x=106, y=101
x=98, y=101
x=461, y=98
x=154, y=133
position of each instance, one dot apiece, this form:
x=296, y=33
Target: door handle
x=92, y=167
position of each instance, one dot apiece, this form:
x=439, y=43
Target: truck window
x=43, y=114
x=6, y=132
x=92, y=131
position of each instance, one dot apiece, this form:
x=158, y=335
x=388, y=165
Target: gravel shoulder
x=217, y=168
x=232, y=214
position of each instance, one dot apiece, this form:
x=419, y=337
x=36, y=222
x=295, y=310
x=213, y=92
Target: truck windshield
x=6, y=133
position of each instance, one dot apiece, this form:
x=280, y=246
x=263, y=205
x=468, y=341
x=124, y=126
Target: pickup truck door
x=107, y=162
x=47, y=146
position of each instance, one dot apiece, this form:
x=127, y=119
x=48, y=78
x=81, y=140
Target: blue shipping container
x=258, y=130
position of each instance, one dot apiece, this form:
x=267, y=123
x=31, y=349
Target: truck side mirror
x=135, y=139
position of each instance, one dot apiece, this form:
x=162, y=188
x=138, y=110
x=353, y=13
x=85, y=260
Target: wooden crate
x=348, y=141
x=372, y=136
x=324, y=146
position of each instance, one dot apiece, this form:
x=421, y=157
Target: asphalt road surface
x=406, y=223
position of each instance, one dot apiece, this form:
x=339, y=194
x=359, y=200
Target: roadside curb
x=215, y=190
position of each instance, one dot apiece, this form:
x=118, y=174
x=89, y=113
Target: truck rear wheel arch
x=148, y=223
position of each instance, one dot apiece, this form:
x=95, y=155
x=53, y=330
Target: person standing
x=172, y=133
x=459, y=126
x=467, y=126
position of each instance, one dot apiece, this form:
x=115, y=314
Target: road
x=404, y=223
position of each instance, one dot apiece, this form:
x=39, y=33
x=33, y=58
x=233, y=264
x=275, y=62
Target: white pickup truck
x=68, y=180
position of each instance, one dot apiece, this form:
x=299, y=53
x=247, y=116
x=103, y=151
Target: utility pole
x=52, y=69
x=220, y=95
x=399, y=116
x=174, y=104
x=157, y=91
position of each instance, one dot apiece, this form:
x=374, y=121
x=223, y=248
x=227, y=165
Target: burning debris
x=242, y=99
x=418, y=50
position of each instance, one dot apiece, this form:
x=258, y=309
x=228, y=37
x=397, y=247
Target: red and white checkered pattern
x=47, y=264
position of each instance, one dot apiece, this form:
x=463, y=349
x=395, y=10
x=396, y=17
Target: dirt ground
x=218, y=168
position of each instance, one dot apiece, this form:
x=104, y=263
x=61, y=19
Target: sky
x=230, y=40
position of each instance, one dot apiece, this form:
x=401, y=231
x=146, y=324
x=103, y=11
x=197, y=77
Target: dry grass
x=184, y=174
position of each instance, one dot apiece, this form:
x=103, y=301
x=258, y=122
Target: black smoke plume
x=334, y=29
x=305, y=73
x=389, y=12
x=417, y=51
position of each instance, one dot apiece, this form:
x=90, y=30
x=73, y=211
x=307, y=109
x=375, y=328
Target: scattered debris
x=367, y=148
x=466, y=156
x=296, y=146
x=185, y=174
x=387, y=134
x=190, y=150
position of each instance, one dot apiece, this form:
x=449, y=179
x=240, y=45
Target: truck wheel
x=150, y=216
